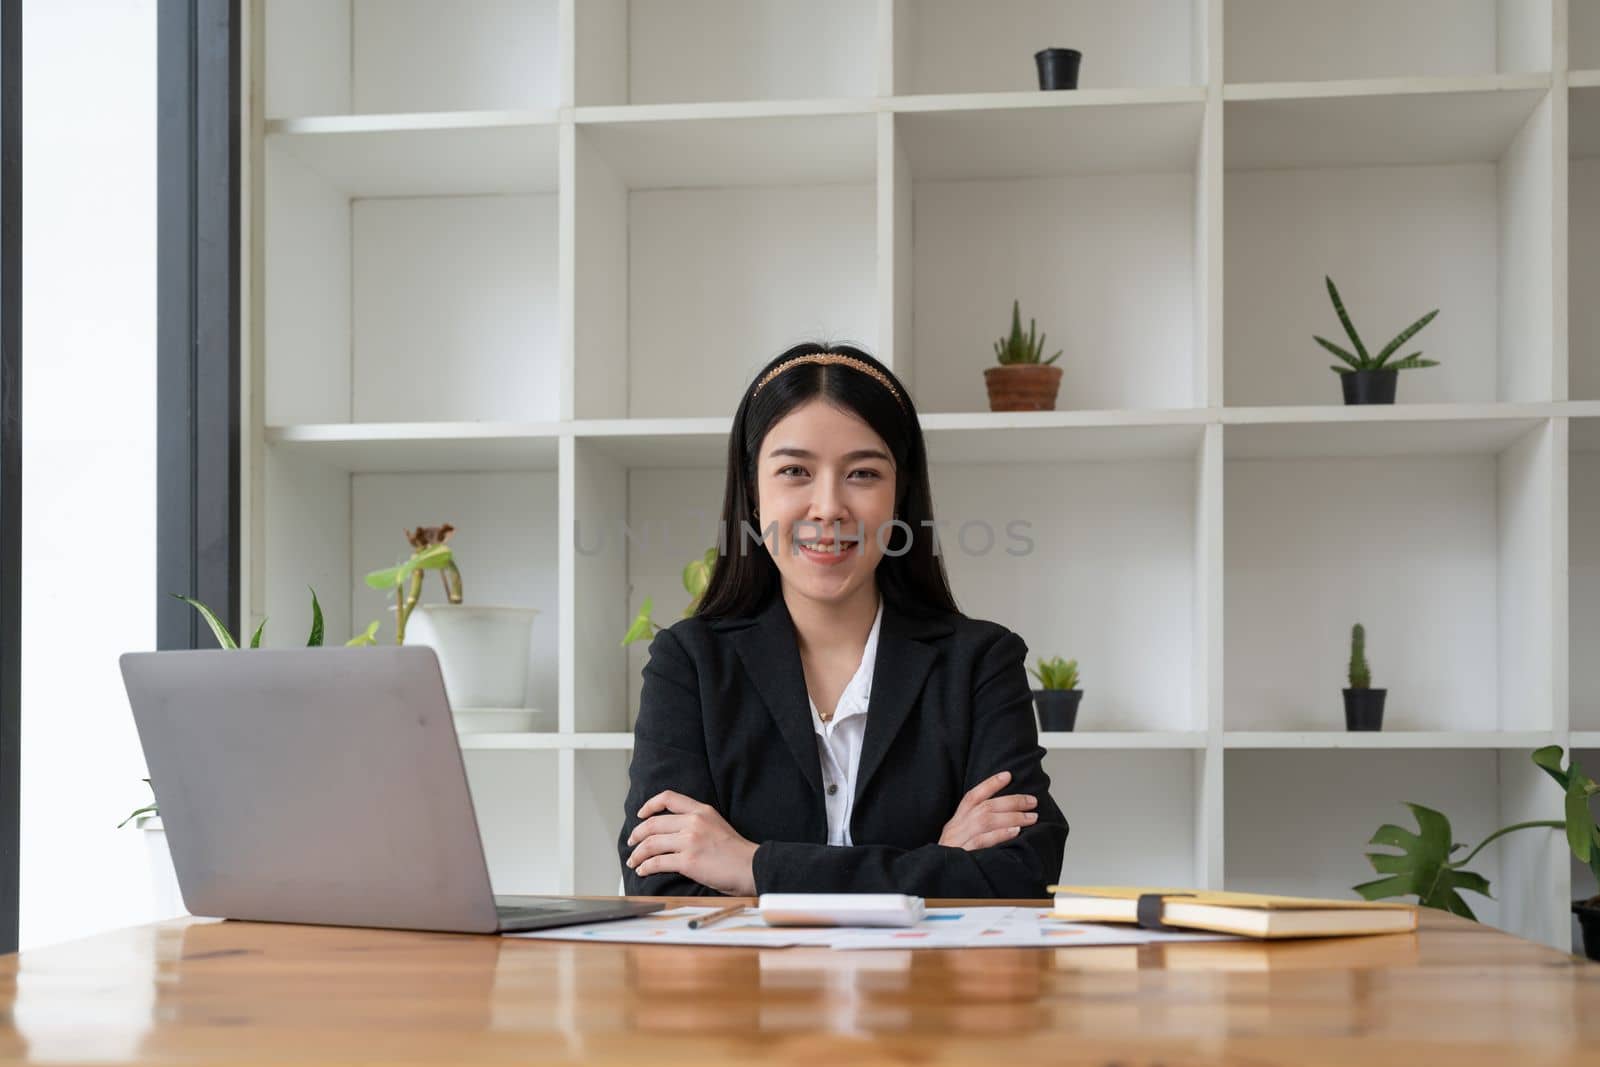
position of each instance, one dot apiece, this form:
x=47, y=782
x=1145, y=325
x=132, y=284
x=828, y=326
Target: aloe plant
x=696, y=577
x=1018, y=348
x=1056, y=673
x=1360, y=673
x=1360, y=359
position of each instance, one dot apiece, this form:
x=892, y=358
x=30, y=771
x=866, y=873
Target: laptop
x=324, y=786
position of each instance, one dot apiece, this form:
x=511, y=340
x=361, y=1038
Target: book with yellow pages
x=1247, y=914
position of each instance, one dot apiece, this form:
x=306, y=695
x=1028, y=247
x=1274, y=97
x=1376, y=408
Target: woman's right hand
x=983, y=819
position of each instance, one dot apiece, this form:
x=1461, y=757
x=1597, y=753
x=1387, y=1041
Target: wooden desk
x=203, y=991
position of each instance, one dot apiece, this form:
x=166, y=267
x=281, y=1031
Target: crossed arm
x=675, y=842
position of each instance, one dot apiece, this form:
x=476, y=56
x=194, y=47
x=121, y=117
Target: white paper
x=975, y=927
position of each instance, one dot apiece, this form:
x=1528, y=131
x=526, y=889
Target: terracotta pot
x=1022, y=386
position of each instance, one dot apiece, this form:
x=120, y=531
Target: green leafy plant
x=1018, y=348
x=226, y=640
x=1360, y=359
x=1056, y=673
x=696, y=577
x=1422, y=866
x=1360, y=673
x=1583, y=836
x=148, y=809
x=429, y=552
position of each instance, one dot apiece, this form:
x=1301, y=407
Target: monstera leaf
x=1582, y=834
x=1422, y=867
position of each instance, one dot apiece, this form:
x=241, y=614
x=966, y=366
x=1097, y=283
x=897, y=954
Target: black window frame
x=198, y=318
x=10, y=468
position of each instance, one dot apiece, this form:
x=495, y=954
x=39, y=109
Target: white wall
x=89, y=456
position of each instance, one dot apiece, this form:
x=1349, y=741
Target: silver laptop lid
x=317, y=785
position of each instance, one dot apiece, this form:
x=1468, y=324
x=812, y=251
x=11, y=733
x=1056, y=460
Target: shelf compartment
x=1274, y=40
x=677, y=51
x=1006, y=137
x=631, y=538
x=1278, y=802
x=1400, y=122
x=1379, y=430
x=764, y=227
x=1583, y=243
x=1444, y=557
x=505, y=543
x=969, y=46
x=687, y=148
x=373, y=448
x=600, y=791
x=1119, y=539
x=406, y=309
x=1583, y=574
x=1583, y=35
x=1005, y=202
x=442, y=154
x=1064, y=436
x=1111, y=799
x=376, y=56
x=516, y=799
x=1409, y=202
x=1122, y=739
x=1330, y=738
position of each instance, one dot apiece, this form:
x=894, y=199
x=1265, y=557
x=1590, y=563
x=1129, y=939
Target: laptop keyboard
x=530, y=911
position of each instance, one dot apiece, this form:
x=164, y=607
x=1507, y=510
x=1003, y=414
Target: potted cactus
x=1022, y=381
x=1368, y=379
x=1057, y=699
x=1363, y=705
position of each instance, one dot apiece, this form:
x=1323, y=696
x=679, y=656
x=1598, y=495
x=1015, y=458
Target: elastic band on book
x=1149, y=910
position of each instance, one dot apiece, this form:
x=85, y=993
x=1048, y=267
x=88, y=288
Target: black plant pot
x=1058, y=67
x=1363, y=709
x=1058, y=708
x=1369, y=386
x=1589, y=921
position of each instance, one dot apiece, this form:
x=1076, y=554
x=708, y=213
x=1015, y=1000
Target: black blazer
x=724, y=718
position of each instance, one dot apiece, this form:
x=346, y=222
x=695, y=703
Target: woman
x=827, y=720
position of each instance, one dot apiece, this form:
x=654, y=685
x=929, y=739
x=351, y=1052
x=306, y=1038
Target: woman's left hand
x=682, y=835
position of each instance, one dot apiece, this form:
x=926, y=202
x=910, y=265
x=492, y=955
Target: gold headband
x=831, y=357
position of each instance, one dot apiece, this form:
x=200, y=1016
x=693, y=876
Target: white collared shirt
x=839, y=739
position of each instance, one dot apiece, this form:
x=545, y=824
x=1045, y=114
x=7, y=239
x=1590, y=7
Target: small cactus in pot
x=1022, y=381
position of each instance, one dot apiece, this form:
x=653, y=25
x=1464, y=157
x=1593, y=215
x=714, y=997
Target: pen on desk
x=699, y=922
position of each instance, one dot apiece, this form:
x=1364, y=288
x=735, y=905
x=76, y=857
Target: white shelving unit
x=512, y=265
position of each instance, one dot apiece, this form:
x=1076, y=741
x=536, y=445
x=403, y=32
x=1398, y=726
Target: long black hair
x=910, y=575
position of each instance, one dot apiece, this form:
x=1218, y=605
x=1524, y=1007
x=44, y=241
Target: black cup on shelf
x=1363, y=709
x=1369, y=386
x=1058, y=67
x=1057, y=708
x=1589, y=922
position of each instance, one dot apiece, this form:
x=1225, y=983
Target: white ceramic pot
x=165, y=898
x=482, y=650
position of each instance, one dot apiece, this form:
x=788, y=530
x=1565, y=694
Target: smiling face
x=825, y=477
